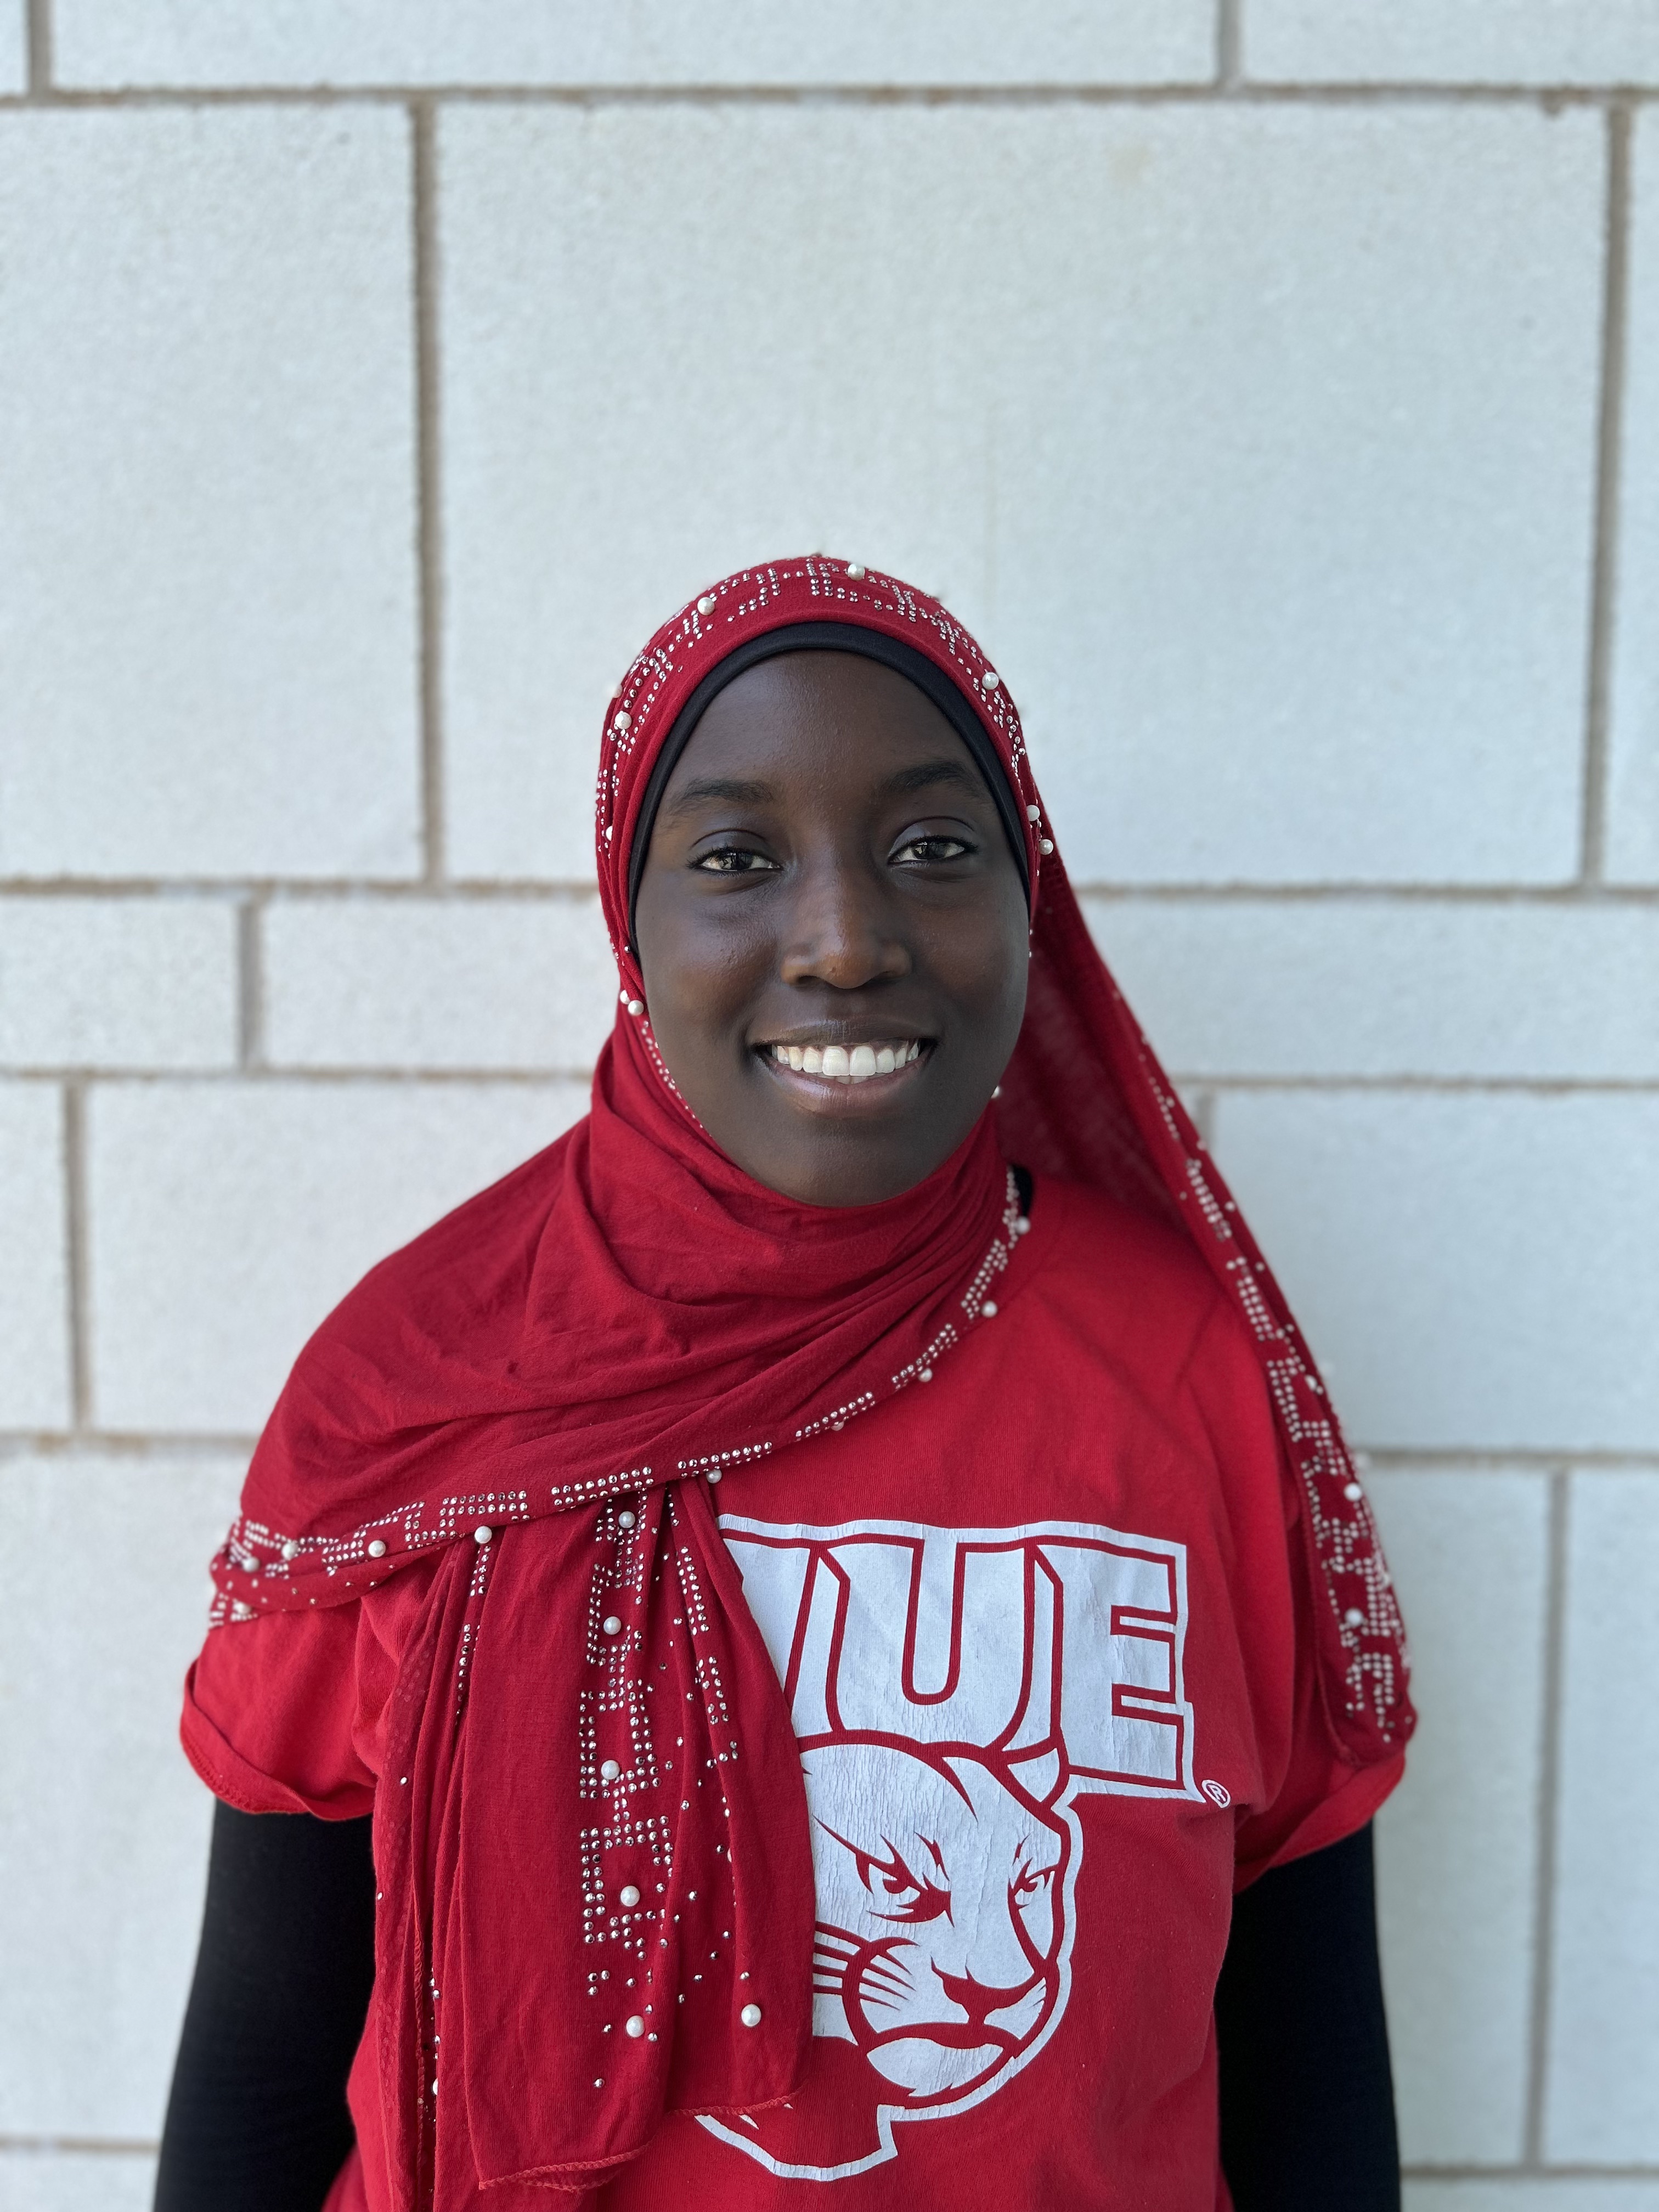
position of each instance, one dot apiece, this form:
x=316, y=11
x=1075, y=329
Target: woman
x=825, y=1585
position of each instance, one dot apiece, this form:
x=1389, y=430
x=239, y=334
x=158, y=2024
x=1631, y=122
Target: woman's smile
x=824, y=1074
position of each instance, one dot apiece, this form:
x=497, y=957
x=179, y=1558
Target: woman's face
x=832, y=930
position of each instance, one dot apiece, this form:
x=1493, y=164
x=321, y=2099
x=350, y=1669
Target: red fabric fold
x=544, y=1385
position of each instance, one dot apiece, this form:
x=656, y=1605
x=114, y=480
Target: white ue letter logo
x=955, y=1692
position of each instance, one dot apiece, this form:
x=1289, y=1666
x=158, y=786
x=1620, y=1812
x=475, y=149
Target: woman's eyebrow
x=734, y=789
x=935, y=771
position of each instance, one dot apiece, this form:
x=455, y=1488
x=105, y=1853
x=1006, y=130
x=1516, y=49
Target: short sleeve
x=286, y=1714
x=1314, y=1793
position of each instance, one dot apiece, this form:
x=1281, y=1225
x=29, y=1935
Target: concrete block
x=1451, y=41
x=77, y=2181
x=103, y=1827
x=1269, y=488
x=207, y=574
x=34, y=1357
x=704, y=42
x=226, y=1219
x=480, y=984
x=137, y=982
x=1370, y=987
x=14, y=46
x=1632, y=793
x=1600, y=2107
x=1525, y=2193
x=1479, y=1270
x=1457, y=1844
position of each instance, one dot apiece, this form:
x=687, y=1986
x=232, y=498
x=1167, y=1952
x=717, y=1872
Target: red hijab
x=542, y=1389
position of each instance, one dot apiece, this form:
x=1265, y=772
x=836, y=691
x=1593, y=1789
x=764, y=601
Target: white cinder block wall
x=1275, y=384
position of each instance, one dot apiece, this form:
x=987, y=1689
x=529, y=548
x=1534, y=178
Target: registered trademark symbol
x=1217, y=1793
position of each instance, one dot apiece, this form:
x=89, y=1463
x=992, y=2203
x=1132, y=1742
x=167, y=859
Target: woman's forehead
x=800, y=713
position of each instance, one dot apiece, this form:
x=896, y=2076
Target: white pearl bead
x=855, y=570
x=1354, y=1617
x=989, y=1309
x=609, y=1771
x=1034, y=814
x=926, y=1375
x=627, y=1517
x=714, y=1474
x=750, y=2015
x=484, y=1534
x=291, y=1550
x=706, y=603
x=634, y=2025
x=623, y=720
x=1022, y=1226
x=611, y=1624
x=377, y=1548
x=1045, y=844
x=1352, y=1492
x=990, y=679
x=628, y=1898
x=636, y=1006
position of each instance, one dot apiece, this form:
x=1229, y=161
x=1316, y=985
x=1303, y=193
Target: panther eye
x=891, y=1882
x=1032, y=1881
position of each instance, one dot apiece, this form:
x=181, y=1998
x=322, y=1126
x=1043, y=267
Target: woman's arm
x=1307, y=2097
x=257, y=2121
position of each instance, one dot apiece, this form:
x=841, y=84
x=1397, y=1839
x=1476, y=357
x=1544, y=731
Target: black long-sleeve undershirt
x=258, y=2119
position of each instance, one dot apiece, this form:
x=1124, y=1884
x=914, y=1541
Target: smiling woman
x=827, y=1580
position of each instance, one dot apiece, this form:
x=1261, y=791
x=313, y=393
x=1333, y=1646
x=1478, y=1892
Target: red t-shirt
x=1051, y=1671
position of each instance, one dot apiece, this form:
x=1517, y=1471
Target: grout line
x=250, y=985
x=1548, y=1796
x=75, y=1230
x=98, y=2146
x=120, y=1443
x=429, y=490
x=1604, y=560
x=296, y=1073
x=1578, y=2171
x=1229, y=46
x=1550, y=98
x=357, y=889
x=40, y=49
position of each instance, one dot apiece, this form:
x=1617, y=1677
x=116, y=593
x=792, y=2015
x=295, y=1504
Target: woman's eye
x=734, y=860
x=933, y=848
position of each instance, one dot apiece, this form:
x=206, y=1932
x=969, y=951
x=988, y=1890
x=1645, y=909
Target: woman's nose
x=840, y=932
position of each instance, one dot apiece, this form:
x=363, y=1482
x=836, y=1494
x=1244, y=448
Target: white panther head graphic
x=940, y=1888
x=954, y=1692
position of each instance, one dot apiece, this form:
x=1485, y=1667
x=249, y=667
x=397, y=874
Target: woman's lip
x=822, y=1091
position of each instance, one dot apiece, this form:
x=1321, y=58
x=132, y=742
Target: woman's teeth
x=842, y=1065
